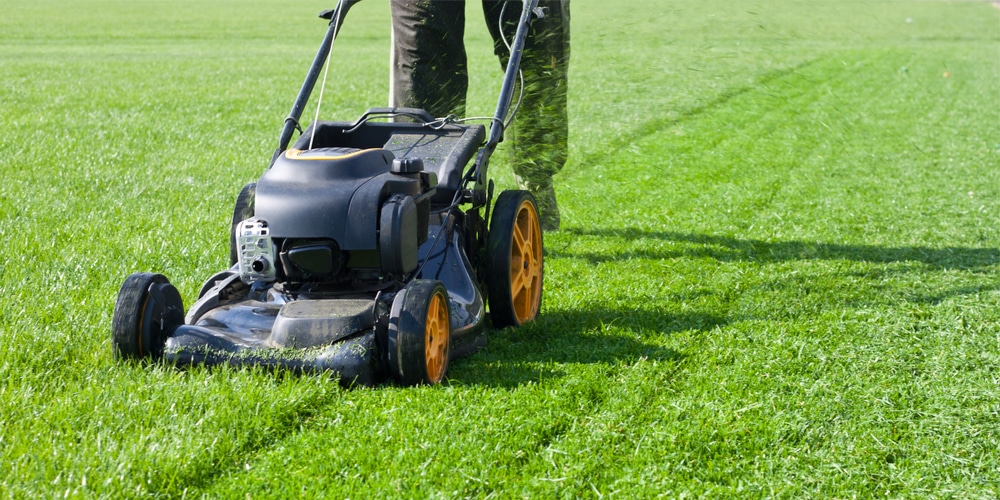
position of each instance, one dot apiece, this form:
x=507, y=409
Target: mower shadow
x=516, y=356
x=728, y=249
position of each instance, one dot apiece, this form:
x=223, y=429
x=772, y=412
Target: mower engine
x=331, y=219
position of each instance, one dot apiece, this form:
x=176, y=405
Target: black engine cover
x=334, y=193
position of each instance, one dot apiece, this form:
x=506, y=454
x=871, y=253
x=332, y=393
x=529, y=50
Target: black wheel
x=514, y=265
x=241, y=212
x=419, y=333
x=148, y=309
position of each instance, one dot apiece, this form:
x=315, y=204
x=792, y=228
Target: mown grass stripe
x=777, y=274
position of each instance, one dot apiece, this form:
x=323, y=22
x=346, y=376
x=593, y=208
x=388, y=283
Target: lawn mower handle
x=510, y=78
x=511, y=73
x=336, y=18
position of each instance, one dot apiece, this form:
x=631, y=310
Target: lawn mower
x=362, y=250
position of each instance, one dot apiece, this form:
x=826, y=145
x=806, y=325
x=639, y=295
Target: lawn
x=777, y=274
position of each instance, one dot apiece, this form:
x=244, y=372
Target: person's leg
x=428, y=64
x=538, y=137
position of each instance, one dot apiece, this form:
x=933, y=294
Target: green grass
x=777, y=277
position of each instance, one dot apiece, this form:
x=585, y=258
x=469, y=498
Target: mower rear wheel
x=243, y=210
x=148, y=309
x=514, y=262
x=419, y=333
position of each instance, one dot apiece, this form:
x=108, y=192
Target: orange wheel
x=419, y=337
x=437, y=333
x=515, y=265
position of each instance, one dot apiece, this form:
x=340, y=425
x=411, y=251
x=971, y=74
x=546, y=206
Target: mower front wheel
x=419, y=337
x=514, y=265
x=148, y=309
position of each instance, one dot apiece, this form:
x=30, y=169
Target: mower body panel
x=263, y=325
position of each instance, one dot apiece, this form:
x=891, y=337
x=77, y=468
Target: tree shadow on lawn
x=728, y=249
x=591, y=335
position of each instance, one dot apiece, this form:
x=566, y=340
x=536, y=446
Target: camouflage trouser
x=429, y=71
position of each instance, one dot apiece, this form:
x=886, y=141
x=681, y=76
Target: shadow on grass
x=728, y=249
x=593, y=335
